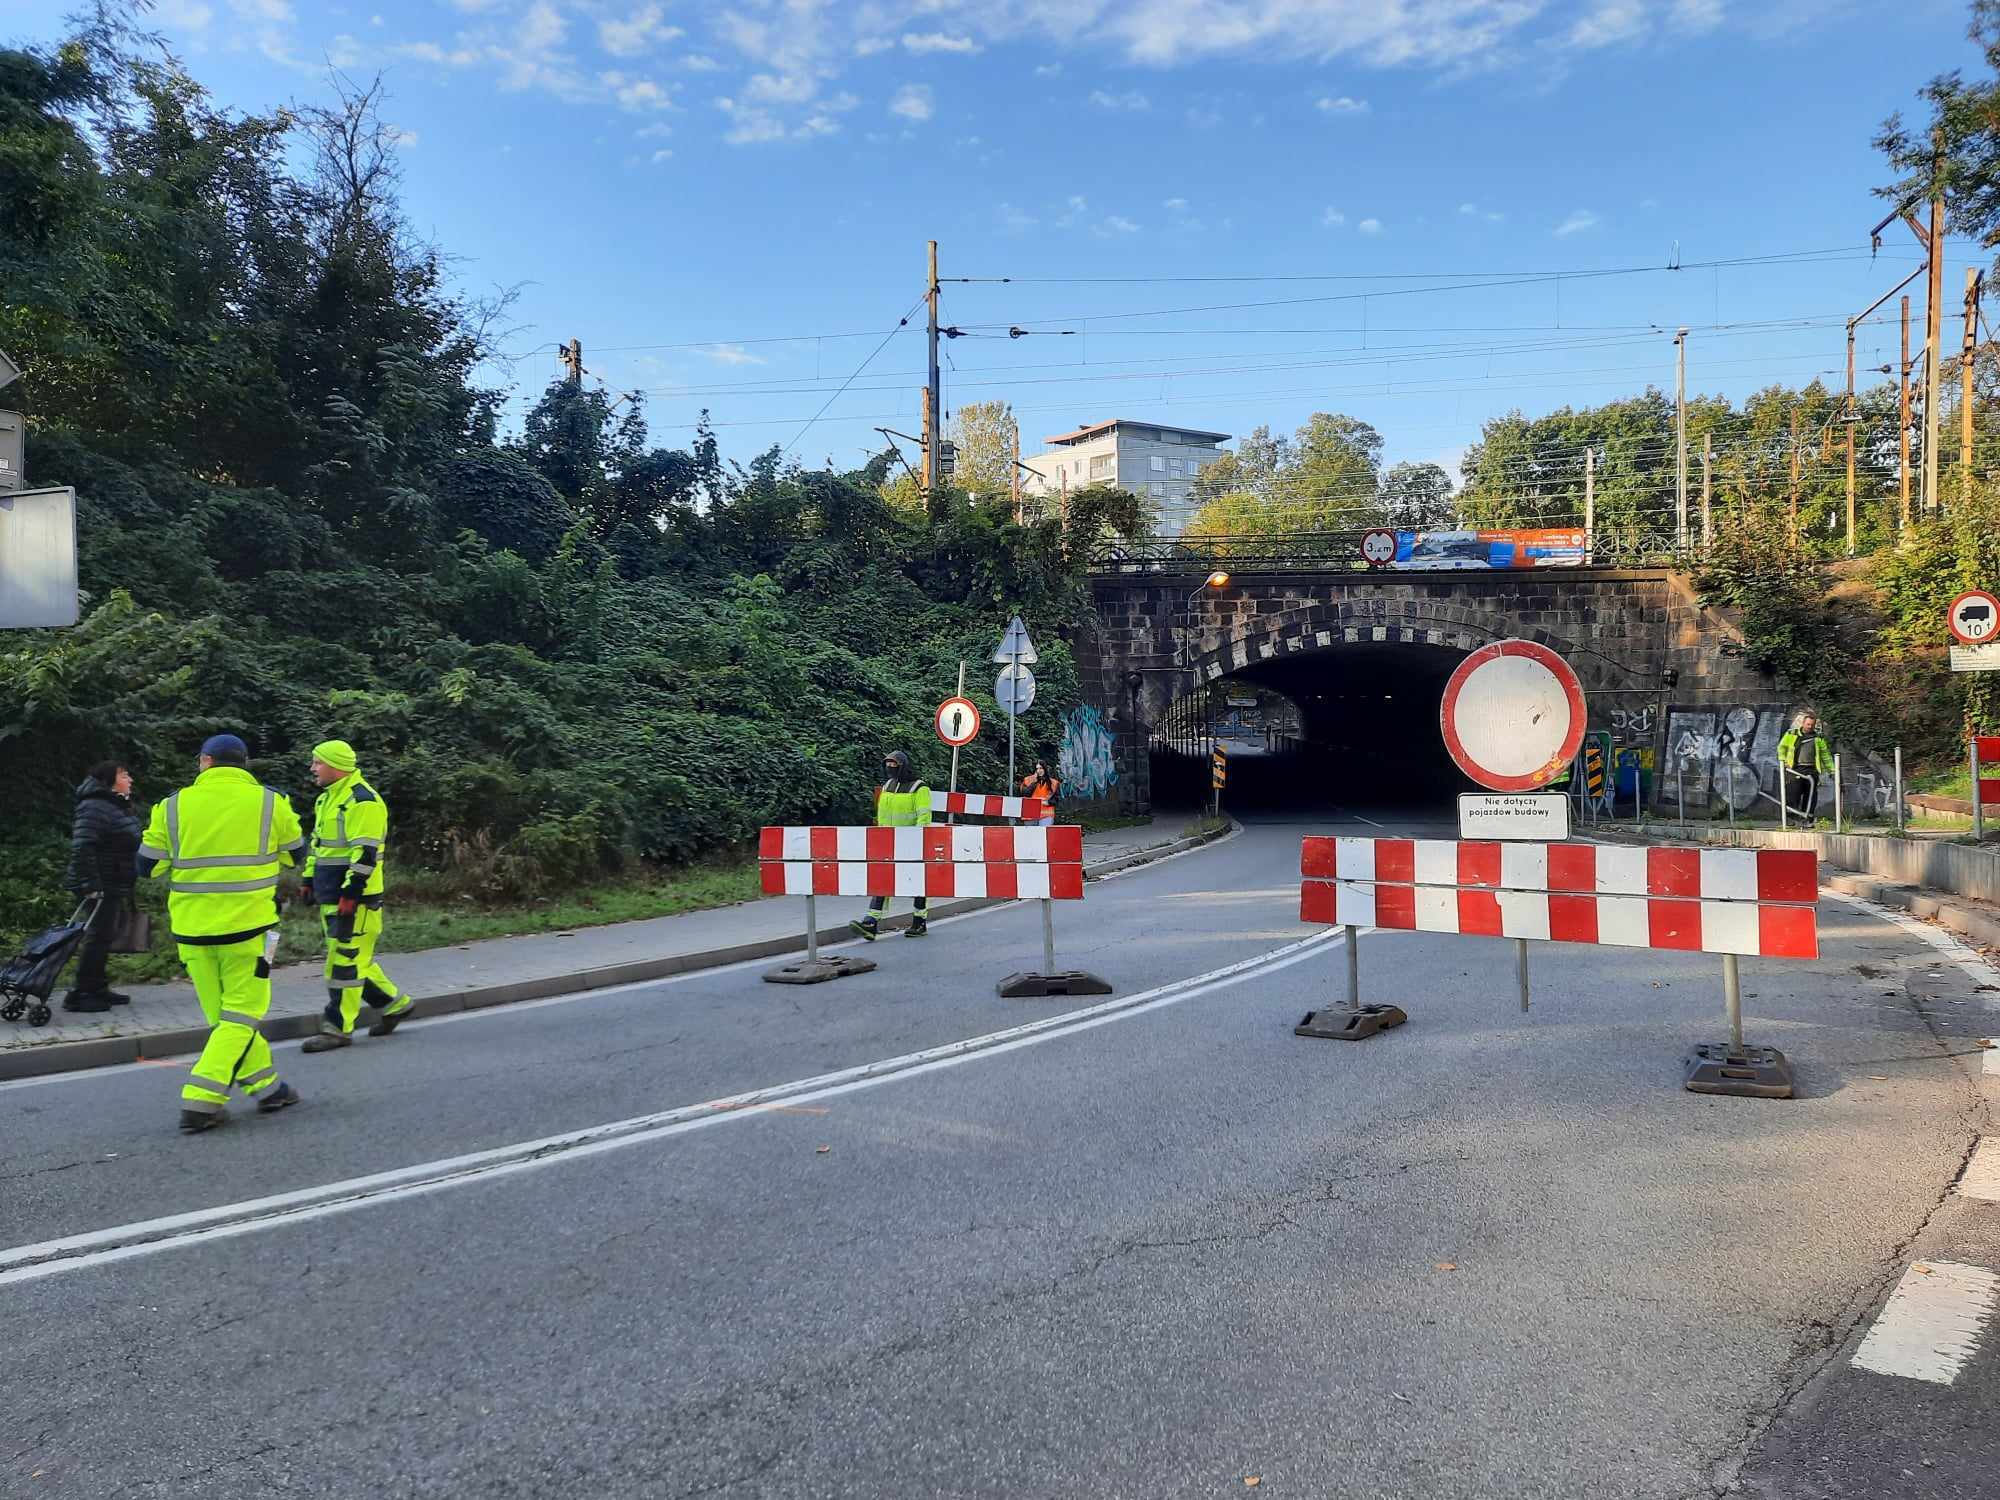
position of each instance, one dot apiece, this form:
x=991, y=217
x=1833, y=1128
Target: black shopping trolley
x=27, y=979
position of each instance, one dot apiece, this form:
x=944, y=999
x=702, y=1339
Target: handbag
x=133, y=932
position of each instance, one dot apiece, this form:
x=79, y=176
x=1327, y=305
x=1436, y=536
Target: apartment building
x=1154, y=461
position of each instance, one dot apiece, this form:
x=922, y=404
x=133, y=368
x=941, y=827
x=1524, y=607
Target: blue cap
x=225, y=744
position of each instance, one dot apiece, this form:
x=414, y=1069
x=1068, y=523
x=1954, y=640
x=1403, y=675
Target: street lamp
x=1218, y=579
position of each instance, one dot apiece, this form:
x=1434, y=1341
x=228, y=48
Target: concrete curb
x=33, y=1060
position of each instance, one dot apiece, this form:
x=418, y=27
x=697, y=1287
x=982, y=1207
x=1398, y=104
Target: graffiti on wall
x=1632, y=723
x=1087, y=764
x=1725, y=757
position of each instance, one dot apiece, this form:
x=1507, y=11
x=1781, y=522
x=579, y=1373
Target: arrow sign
x=1015, y=646
x=9, y=371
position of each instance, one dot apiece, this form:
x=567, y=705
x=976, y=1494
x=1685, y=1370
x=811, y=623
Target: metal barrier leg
x=813, y=969
x=1051, y=981
x=1732, y=1067
x=1521, y=967
x=1357, y=1022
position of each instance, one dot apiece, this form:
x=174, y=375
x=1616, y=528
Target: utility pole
x=1793, y=508
x=1934, y=331
x=1014, y=472
x=933, y=417
x=1903, y=423
x=1965, y=389
x=1848, y=416
x=572, y=358
x=1707, y=460
x=1590, y=502
x=1680, y=439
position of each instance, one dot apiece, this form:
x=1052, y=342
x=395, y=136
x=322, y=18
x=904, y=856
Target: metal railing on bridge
x=1340, y=552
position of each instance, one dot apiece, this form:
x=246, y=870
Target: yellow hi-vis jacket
x=221, y=842
x=903, y=805
x=350, y=827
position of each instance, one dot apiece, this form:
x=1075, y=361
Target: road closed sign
x=1974, y=618
x=1513, y=716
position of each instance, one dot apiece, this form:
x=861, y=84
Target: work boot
x=919, y=927
x=387, y=1022
x=327, y=1041
x=863, y=929
x=87, y=1004
x=117, y=999
x=195, y=1121
x=280, y=1095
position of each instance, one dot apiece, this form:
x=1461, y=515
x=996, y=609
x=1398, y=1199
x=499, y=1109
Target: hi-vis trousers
x=233, y=983
x=351, y=970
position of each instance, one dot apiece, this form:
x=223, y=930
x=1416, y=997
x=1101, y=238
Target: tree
x=1418, y=497
x=1322, y=478
x=986, y=434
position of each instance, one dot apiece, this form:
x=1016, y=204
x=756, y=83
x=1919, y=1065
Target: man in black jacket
x=103, y=846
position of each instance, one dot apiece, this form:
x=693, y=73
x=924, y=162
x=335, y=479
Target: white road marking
x=516, y=1007
x=1965, y=957
x=123, y=1242
x=1981, y=1177
x=1932, y=1323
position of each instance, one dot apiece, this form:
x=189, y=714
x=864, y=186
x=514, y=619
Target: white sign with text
x=1513, y=815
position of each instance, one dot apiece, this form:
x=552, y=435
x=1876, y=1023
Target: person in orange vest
x=1040, y=785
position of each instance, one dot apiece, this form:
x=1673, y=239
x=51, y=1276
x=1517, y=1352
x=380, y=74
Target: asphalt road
x=1159, y=1252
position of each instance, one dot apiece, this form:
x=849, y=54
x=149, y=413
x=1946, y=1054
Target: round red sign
x=1513, y=716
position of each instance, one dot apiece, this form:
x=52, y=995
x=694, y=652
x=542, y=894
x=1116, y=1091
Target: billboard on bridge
x=1566, y=548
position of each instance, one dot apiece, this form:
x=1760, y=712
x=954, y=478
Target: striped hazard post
x=1730, y=902
x=937, y=862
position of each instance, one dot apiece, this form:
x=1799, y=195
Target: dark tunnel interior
x=1367, y=735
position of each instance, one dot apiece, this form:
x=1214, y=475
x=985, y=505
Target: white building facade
x=1158, y=463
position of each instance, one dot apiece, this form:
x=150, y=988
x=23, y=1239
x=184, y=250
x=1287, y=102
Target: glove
x=343, y=917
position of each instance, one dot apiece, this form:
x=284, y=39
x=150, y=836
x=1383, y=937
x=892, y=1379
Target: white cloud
x=1612, y=22
x=1370, y=226
x=868, y=46
x=431, y=52
x=343, y=51
x=656, y=131
x=1076, y=206
x=1048, y=70
x=375, y=21
x=912, y=102
x=1342, y=106
x=1015, y=220
x=1204, y=118
x=1116, y=224
x=1695, y=16
x=1649, y=204
x=663, y=154
x=636, y=94
x=789, y=88
x=474, y=6
x=262, y=10
x=1333, y=218
x=185, y=15
x=698, y=62
x=730, y=354
x=921, y=42
x=1175, y=205
x=1131, y=99
x=1474, y=211
x=401, y=137
x=1579, y=220
x=645, y=28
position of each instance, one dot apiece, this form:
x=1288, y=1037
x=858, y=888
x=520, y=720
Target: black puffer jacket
x=103, y=841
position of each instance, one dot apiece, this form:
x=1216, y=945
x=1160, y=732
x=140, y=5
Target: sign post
x=1015, y=691
x=1218, y=774
x=957, y=723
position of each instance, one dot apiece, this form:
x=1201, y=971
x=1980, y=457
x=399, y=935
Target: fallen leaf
x=1921, y=1269
x=1447, y=1265
x=1986, y=1041
x=823, y=1150
x=1251, y=1481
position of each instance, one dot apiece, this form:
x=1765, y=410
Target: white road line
x=1932, y=1323
x=1981, y=1177
x=1967, y=958
x=516, y=1007
x=1991, y=1062
x=123, y=1242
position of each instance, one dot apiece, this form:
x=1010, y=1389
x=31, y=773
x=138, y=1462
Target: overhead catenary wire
x=900, y=322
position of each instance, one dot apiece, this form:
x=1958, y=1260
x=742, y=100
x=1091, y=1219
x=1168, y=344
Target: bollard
x=1784, y=800
x=1838, y=817
x=1978, y=807
x=1732, y=1068
x=813, y=969
x=1357, y=1022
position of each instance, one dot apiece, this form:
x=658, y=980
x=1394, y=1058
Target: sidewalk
x=164, y=1020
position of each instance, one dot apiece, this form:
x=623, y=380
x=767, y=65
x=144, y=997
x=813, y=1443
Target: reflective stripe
x=197, y=1104
x=254, y=1089
x=147, y=851
x=269, y=883
x=247, y=1084
x=174, y=827
x=264, y=824
x=365, y=844
x=226, y=861
x=297, y=843
x=242, y=1018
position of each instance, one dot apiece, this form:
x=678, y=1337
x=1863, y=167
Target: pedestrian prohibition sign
x=1513, y=716
x=958, y=721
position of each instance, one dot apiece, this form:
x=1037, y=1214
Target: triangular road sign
x=1015, y=645
x=9, y=371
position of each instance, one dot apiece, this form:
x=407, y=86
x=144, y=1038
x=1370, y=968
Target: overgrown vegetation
x=558, y=653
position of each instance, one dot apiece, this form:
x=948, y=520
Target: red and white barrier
x=937, y=861
x=1740, y=901
x=973, y=805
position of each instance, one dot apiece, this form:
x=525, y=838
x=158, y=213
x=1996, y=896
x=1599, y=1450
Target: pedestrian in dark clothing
x=103, y=854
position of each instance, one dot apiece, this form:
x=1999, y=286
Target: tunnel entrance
x=1351, y=728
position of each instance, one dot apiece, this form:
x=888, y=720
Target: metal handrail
x=1340, y=552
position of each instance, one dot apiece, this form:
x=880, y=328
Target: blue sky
x=728, y=202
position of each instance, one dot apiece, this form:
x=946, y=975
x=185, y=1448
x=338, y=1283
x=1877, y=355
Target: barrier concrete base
x=817, y=970
x=1344, y=1025
x=1041, y=986
x=1749, y=1073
